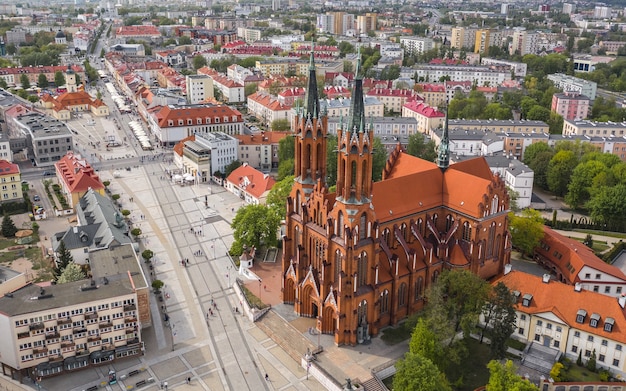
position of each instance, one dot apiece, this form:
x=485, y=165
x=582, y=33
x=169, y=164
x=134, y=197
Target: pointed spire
x=312, y=99
x=356, y=119
x=443, y=152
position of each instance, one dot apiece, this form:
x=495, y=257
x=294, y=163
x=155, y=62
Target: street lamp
x=260, y=289
x=228, y=269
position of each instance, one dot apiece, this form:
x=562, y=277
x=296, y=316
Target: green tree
x=71, y=273
x=157, y=285
x=378, y=160
x=560, y=170
x=285, y=169
x=419, y=148
x=147, y=255
x=591, y=363
x=59, y=79
x=8, y=227
x=42, y=81
x=499, y=315
x=3, y=84
x=254, y=225
x=199, y=61
x=280, y=125
x=250, y=88
x=24, y=81
x=418, y=373
x=426, y=343
x=286, y=149
x=64, y=258
x=184, y=40
x=277, y=196
x=503, y=377
x=526, y=230
x=588, y=241
x=556, y=371
x=607, y=205
x=581, y=182
x=232, y=166
x=538, y=113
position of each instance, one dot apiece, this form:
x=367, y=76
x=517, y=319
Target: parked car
x=36, y=198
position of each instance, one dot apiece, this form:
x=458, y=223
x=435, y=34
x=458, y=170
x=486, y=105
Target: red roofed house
x=72, y=101
x=428, y=118
x=434, y=94
x=260, y=150
x=76, y=176
x=173, y=123
x=231, y=91
x=289, y=96
x=571, y=262
x=138, y=32
x=266, y=108
x=11, y=190
x=567, y=320
x=250, y=184
x=361, y=258
x=335, y=92
x=394, y=99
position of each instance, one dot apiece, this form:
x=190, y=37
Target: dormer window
x=170, y=123
x=225, y=119
x=580, y=316
x=208, y=120
x=595, y=319
x=608, y=324
x=516, y=295
x=189, y=121
x=181, y=122
x=527, y=299
x=199, y=120
x=217, y=120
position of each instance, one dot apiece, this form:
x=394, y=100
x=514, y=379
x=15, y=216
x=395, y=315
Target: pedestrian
x=267, y=377
x=188, y=380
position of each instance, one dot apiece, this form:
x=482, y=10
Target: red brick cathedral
x=361, y=258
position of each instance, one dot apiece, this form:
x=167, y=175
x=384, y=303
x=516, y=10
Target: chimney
x=622, y=301
x=507, y=268
x=577, y=287
x=546, y=278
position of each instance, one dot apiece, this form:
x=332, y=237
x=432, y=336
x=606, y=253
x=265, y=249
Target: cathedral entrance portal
x=289, y=293
x=314, y=310
x=309, y=305
x=328, y=321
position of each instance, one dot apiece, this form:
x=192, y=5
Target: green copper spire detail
x=312, y=99
x=443, y=152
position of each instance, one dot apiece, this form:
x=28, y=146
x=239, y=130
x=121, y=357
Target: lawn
x=618, y=235
x=581, y=374
x=394, y=335
x=598, y=246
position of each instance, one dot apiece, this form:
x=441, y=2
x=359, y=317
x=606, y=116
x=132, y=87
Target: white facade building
x=416, y=45
x=199, y=88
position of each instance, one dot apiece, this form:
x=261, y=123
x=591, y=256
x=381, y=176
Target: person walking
x=267, y=377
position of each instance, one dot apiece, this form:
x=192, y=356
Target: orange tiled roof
x=8, y=168
x=259, y=182
x=178, y=148
x=424, y=109
x=261, y=139
x=165, y=113
x=563, y=301
x=77, y=174
x=461, y=186
x=576, y=254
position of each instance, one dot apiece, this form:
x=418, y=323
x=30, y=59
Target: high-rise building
x=569, y=8
x=361, y=258
x=504, y=9
x=524, y=42
x=199, y=88
x=463, y=37
x=485, y=38
x=275, y=5
x=366, y=23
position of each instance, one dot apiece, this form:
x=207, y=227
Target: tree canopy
x=254, y=225
x=499, y=316
x=277, y=196
x=71, y=273
x=8, y=227
x=417, y=146
x=417, y=373
x=526, y=230
x=503, y=377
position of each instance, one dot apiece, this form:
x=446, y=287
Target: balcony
x=36, y=326
x=130, y=319
x=40, y=349
x=93, y=338
x=79, y=329
x=130, y=307
x=52, y=335
x=67, y=344
x=93, y=315
x=64, y=321
x=107, y=323
x=25, y=334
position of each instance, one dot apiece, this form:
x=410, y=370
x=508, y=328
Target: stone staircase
x=285, y=335
x=373, y=385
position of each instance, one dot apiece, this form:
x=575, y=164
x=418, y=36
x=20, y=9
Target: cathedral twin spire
x=443, y=152
x=313, y=107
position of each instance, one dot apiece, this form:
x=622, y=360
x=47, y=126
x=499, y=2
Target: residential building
x=238, y=74
x=593, y=128
x=170, y=124
x=612, y=46
x=366, y=23
x=137, y=33
x=172, y=58
x=249, y=184
x=361, y=258
x=463, y=37
x=434, y=94
x=231, y=91
x=12, y=75
x=486, y=38
x=517, y=176
x=199, y=88
x=99, y=225
x=587, y=63
x=260, y=150
x=63, y=328
x=203, y=154
x=389, y=129
x=500, y=126
x=570, y=105
x=569, y=8
x=279, y=66
x=602, y=12
x=524, y=42
x=463, y=142
x=76, y=177
x=574, y=84
x=289, y=96
x=569, y=321
x=337, y=108
x=47, y=138
x=267, y=108
x=6, y=144
x=416, y=45
x=10, y=182
x=571, y=262
x=129, y=49
x=428, y=118
x=392, y=99
x=519, y=69
x=480, y=75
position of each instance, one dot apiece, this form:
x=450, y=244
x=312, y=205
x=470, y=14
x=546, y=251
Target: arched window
x=387, y=237
x=496, y=251
x=352, y=176
x=419, y=288
x=420, y=226
x=467, y=231
x=361, y=312
x=449, y=222
x=435, y=220
x=297, y=236
x=492, y=240
x=361, y=278
x=338, y=266
x=435, y=276
x=384, y=302
x=403, y=231
x=363, y=226
x=296, y=207
x=402, y=295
